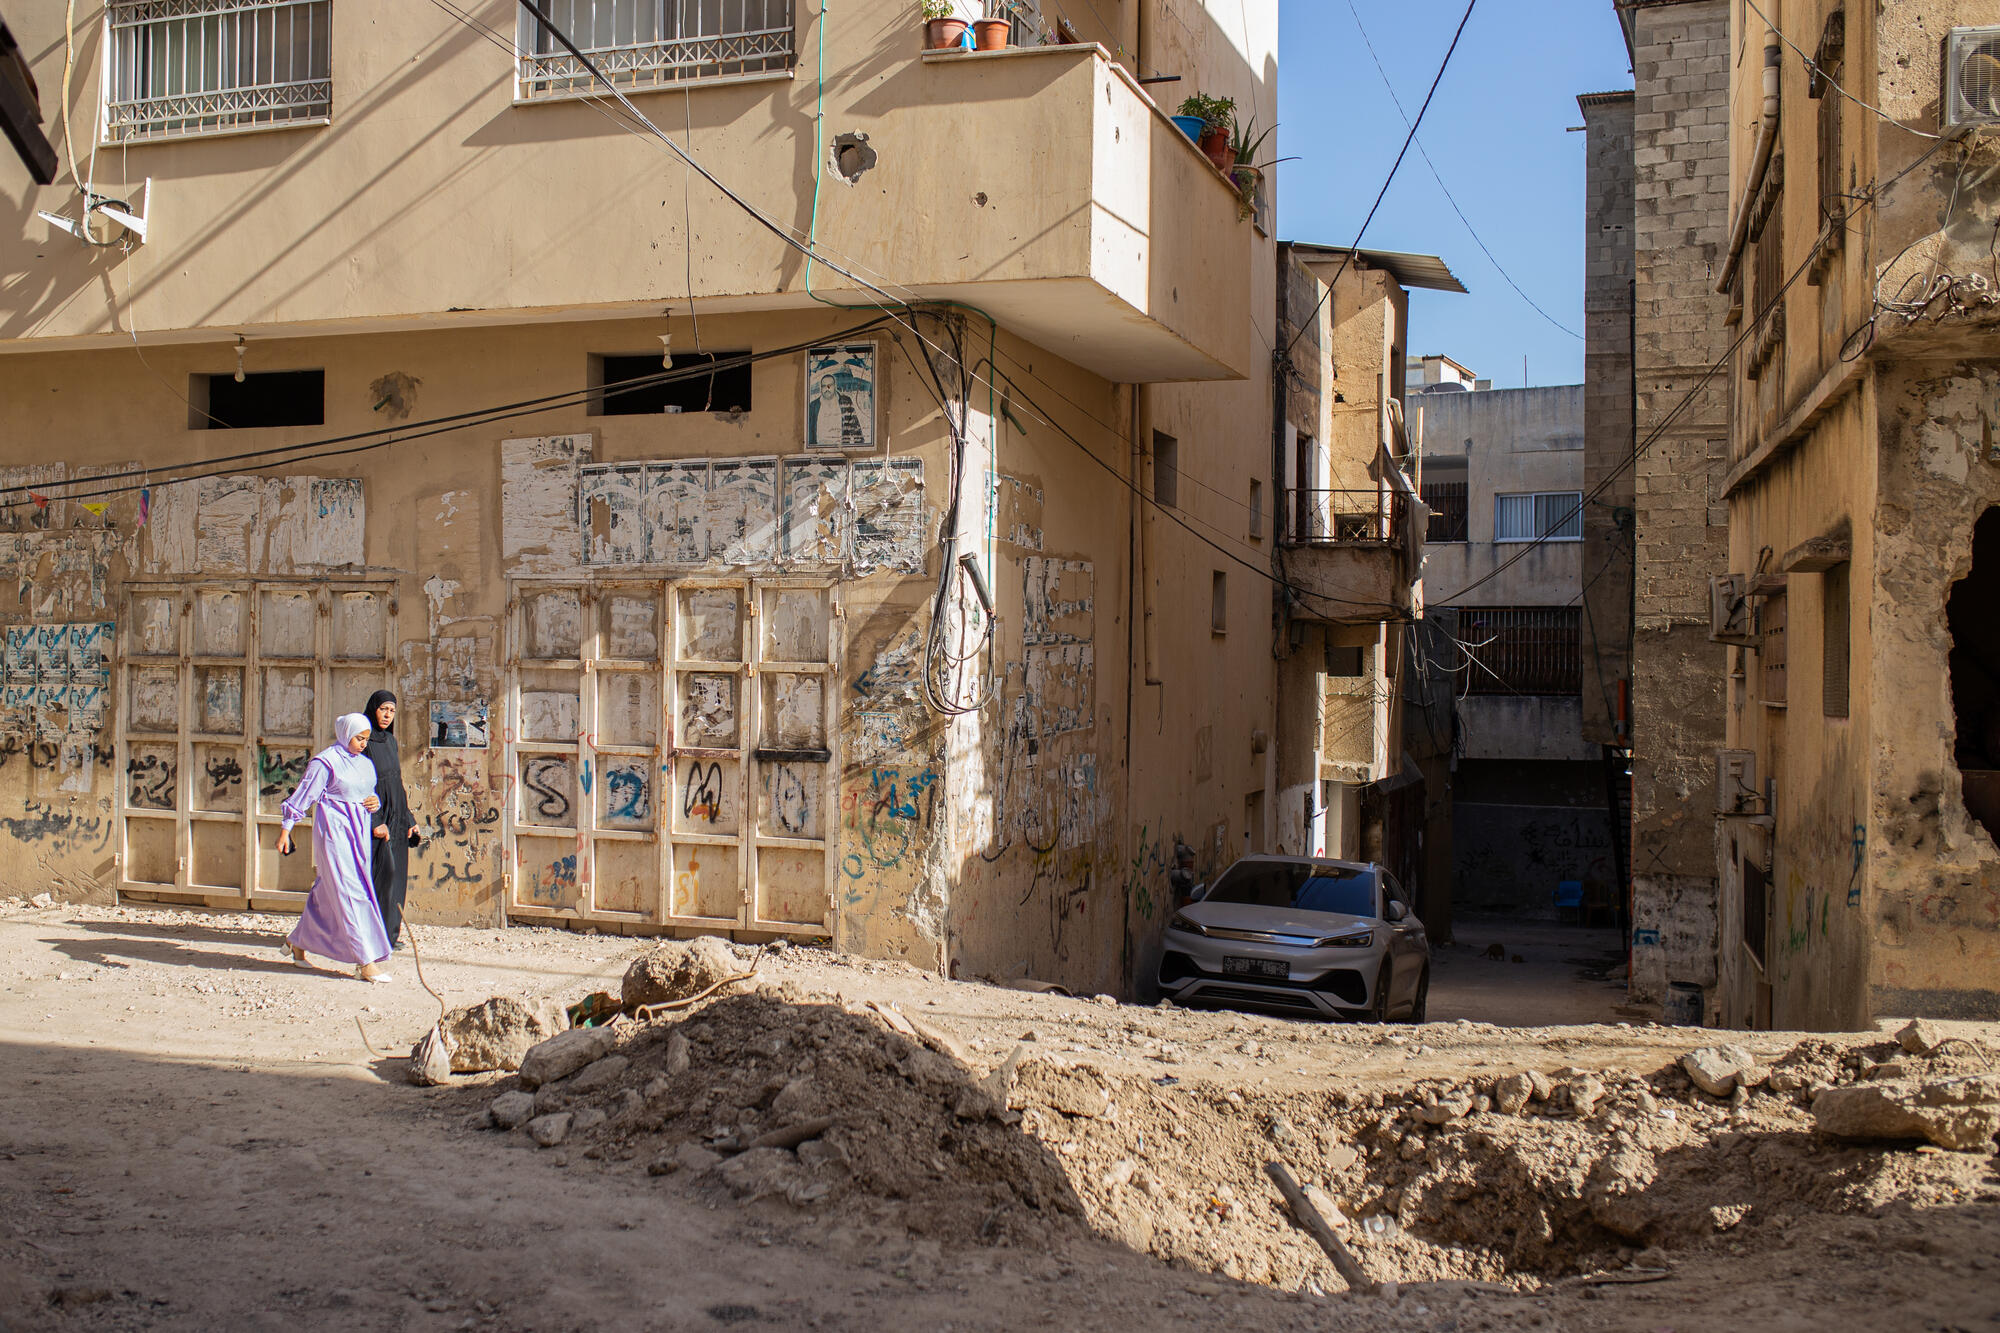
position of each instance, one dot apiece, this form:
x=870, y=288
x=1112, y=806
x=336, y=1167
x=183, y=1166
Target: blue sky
x=1496, y=132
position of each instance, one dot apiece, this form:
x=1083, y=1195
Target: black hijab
x=388, y=761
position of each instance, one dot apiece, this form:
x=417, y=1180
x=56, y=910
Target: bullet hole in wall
x=852, y=157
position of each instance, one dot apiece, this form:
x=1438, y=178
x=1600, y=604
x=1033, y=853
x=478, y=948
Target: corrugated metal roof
x=1410, y=270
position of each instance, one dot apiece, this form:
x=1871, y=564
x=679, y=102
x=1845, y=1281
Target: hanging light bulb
x=667, y=342
x=239, y=358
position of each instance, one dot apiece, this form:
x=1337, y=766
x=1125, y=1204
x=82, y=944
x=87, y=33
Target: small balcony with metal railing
x=1350, y=554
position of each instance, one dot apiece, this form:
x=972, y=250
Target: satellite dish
x=105, y=221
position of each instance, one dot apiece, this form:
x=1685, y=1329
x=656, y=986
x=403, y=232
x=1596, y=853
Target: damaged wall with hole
x=1859, y=879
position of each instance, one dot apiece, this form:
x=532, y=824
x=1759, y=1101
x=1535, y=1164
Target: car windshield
x=1303, y=888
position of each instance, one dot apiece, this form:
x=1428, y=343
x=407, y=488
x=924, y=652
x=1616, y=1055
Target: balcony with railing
x=1041, y=185
x=1350, y=551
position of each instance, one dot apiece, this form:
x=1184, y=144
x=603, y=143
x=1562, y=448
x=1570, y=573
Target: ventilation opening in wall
x=1975, y=673
x=270, y=398
x=621, y=387
x=1166, y=470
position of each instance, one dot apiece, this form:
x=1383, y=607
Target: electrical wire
x=1813, y=67
x=1446, y=190
x=1383, y=193
x=1638, y=450
x=307, y=451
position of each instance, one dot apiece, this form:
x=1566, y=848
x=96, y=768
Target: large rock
x=430, y=1060
x=1715, y=1069
x=1920, y=1037
x=563, y=1054
x=1959, y=1113
x=677, y=969
x=511, y=1110
x=497, y=1033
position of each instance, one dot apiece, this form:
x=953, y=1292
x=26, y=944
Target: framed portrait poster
x=841, y=397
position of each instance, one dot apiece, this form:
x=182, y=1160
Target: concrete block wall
x=1608, y=483
x=1680, y=67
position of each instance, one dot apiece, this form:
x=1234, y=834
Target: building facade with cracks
x=1856, y=806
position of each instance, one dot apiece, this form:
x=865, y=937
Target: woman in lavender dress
x=341, y=920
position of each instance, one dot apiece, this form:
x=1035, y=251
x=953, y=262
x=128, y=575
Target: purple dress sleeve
x=311, y=787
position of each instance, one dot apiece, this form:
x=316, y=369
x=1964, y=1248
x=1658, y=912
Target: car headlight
x=1359, y=939
x=1187, y=924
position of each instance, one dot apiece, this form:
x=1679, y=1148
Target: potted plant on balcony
x=943, y=29
x=991, y=34
x=1243, y=173
x=1217, y=115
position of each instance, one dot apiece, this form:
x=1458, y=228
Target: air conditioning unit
x=1971, y=78
x=1736, y=782
x=1729, y=614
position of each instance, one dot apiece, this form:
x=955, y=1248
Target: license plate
x=1256, y=967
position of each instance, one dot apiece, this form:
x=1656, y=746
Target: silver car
x=1303, y=935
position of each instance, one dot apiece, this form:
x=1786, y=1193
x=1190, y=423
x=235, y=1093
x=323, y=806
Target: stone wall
x=1680, y=62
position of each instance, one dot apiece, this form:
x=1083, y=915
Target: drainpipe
x=1760, y=158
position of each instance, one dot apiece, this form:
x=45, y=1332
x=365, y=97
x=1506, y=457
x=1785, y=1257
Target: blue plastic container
x=1191, y=126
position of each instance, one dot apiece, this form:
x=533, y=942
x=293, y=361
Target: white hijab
x=347, y=726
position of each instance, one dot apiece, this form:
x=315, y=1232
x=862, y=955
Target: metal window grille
x=183, y=67
x=1538, y=515
x=1450, y=511
x=1522, y=650
x=653, y=43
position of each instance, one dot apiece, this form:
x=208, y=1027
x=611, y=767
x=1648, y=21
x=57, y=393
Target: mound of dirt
x=730, y=1091
x=792, y=1096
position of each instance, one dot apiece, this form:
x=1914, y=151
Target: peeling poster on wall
x=888, y=499
x=457, y=726
x=743, y=510
x=538, y=505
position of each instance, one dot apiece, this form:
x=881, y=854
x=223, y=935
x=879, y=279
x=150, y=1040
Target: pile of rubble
x=769, y=1092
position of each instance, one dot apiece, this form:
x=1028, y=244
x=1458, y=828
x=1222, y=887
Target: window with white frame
x=639, y=44
x=184, y=67
x=1555, y=516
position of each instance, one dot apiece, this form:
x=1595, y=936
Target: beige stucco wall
x=1042, y=183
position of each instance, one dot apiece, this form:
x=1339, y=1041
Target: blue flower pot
x=1191, y=126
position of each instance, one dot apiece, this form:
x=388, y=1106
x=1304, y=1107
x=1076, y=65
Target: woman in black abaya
x=395, y=827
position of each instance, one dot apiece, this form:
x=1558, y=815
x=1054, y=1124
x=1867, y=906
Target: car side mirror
x=1197, y=893
x=1395, y=911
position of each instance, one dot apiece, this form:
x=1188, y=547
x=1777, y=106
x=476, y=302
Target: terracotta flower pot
x=1215, y=143
x=991, y=34
x=943, y=34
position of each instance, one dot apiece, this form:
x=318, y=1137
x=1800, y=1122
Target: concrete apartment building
x=1655, y=451
x=706, y=651
x=1350, y=554
x=1504, y=563
x=1857, y=859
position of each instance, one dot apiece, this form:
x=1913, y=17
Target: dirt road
x=192, y=1136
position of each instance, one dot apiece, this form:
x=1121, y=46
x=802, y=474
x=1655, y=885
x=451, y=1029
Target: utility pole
x=21, y=111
